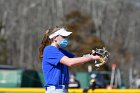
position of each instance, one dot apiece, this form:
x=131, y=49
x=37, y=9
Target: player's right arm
x=78, y=60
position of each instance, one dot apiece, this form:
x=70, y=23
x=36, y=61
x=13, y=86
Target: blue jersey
x=54, y=72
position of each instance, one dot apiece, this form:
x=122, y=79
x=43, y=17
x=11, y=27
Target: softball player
x=56, y=60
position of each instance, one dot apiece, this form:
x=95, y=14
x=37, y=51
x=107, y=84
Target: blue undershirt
x=54, y=72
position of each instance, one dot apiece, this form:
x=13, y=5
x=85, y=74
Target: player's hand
x=95, y=57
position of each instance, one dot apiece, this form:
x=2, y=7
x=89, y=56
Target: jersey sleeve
x=67, y=53
x=52, y=55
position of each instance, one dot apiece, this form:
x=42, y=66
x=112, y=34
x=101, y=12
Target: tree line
x=94, y=23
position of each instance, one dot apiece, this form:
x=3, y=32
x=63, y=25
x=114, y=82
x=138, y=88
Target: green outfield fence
x=18, y=78
x=42, y=90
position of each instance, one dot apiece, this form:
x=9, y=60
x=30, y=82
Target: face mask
x=63, y=43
